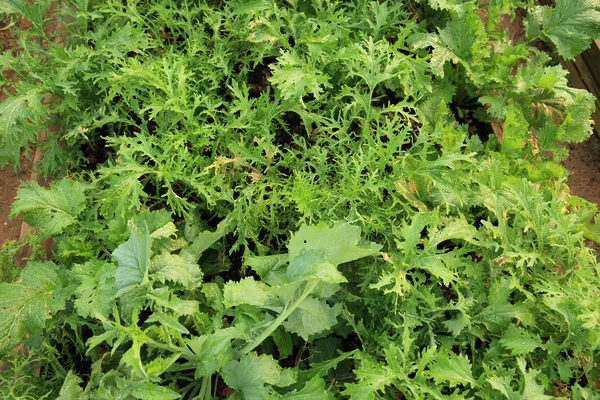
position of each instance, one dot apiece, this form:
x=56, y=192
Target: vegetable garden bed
x=282, y=199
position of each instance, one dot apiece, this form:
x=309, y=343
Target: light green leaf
x=571, y=25
x=295, y=78
x=145, y=390
x=71, y=389
x=175, y=268
x=213, y=351
x=167, y=320
x=51, y=210
x=461, y=42
x=452, y=368
x=25, y=306
x=200, y=243
x=340, y=242
x=312, y=317
x=96, y=288
x=133, y=257
x=313, y=265
x=313, y=390
x=246, y=291
x=519, y=341
x=531, y=389
x=516, y=132
x=250, y=374
x=267, y=266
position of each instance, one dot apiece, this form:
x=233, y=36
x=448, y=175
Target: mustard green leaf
x=313, y=265
x=96, y=288
x=296, y=78
x=452, y=368
x=175, y=268
x=71, y=389
x=571, y=25
x=252, y=372
x=312, y=317
x=246, y=291
x=519, y=341
x=312, y=390
x=26, y=305
x=340, y=243
x=51, y=210
x=133, y=257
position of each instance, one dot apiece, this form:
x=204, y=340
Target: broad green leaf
x=51, y=210
x=246, y=291
x=133, y=257
x=519, y=341
x=452, y=368
x=213, y=351
x=571, y=25
x=250, y=374
x=313, y=264
x=145, y=390
x=175, y=268
x=313, y=390
x=340, y=242
x=15, y=109
x=168, y=320
x=205, y=239
x=96, y=288
x=169, y=300
x=266, y=264
x=25, y=306
x=312, y=317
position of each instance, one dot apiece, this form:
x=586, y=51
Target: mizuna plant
x=284, y=199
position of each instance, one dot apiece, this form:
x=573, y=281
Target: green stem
x=278, y=321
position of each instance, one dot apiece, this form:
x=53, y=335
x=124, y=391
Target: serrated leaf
x=246, y=291
x=133, y=257
x=16, y=108
x=71, y=389
x=174, y=268
x=452, y=368
x=145, y=390
x=25, y=306
x=96, y=288
x=312, y=317
x=250, y=374
x=340, y=243
x=51, y=210
x=531, y=389
x=460, y=42
x=515, y=133
x=213, y=351
x=571, y=25
x=295, y=78
x=519, y=341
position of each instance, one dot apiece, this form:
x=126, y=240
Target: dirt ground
x=9, y=184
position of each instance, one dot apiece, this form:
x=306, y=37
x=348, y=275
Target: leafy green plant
x=218, y=165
